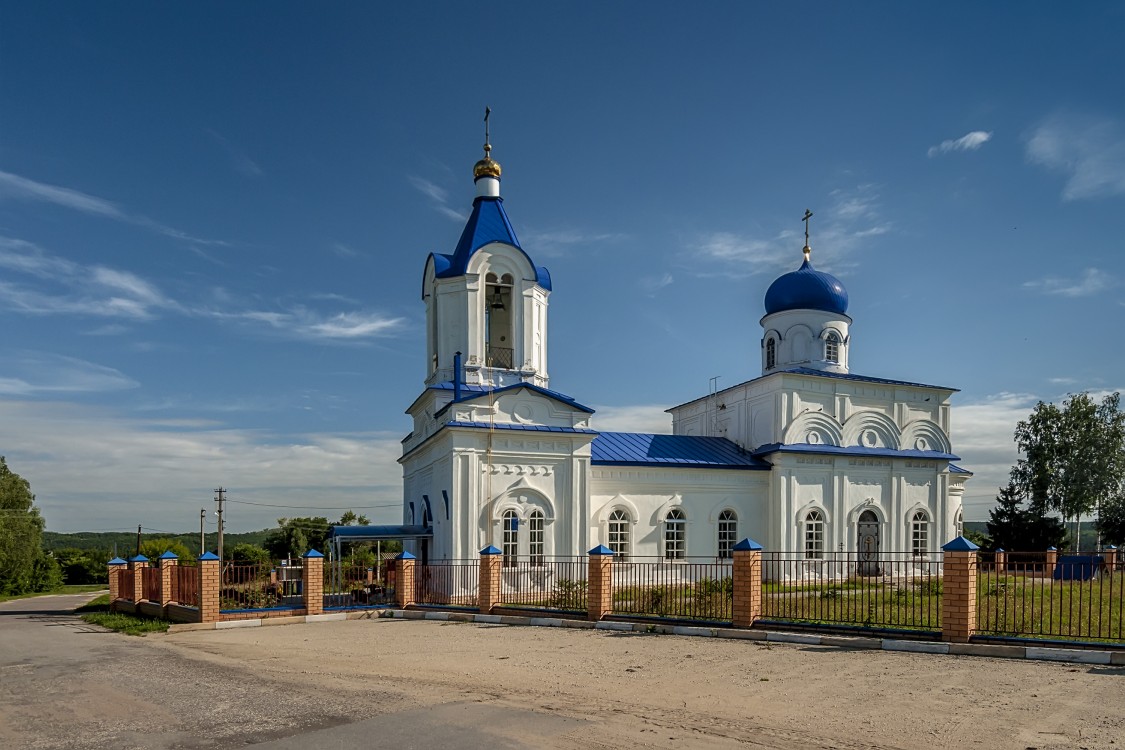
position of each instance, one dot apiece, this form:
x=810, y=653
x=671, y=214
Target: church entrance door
x=867, y=544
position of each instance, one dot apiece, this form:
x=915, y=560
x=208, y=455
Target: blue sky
x=213, y=221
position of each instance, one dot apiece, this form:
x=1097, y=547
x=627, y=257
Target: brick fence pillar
x=168, y=563
x=747, y=583
x=599, y=583
x=116, y=565
x=1109, y=558
x=1052, y=561
x=404, y=579
x=313, y=582
x=959, y=591
x=1000, y=560
x=488, y=589
x=210, y=580
x=137, y=564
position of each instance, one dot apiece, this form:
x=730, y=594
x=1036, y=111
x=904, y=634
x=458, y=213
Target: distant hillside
x=125, y=543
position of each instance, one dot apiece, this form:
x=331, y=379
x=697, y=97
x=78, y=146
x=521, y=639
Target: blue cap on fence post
x=999, y=549
x=601, y=549
x=117, y=561
x=405, y=556
x=960, y=544
x=138, y=558
x=208, y=556
x=169, y=555
x=747, y=544
x=1052, y=549
x=312, y=553
x=491, y=550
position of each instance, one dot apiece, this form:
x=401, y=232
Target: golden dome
x=486, y=167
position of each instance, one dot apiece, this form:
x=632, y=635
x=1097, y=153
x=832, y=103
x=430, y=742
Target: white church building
x=807, y=458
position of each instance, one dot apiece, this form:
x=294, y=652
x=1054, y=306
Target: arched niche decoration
x=815, y=428
x=925, y=435
x=871, y=429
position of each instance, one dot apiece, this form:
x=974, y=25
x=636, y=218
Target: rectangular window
x=535, y=538
x=511, y=538
x=920, y=538
x=728, y=531
x=814, y=539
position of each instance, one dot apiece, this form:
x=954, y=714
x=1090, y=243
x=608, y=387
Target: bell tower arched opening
x=499, y=318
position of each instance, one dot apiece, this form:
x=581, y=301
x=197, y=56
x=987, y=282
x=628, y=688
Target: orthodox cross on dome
x=487, y=145
x=808, y=215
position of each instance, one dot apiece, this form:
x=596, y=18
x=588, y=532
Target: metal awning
x=379, y=533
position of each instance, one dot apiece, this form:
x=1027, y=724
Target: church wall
x=646, y=494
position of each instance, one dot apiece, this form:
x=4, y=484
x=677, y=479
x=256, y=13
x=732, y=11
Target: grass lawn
x=97, y=612
x=1031, y=607
x=80, y=588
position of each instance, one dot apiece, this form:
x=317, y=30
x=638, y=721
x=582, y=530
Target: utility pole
x=202, y=533
x=138, y=540
x=219, y=498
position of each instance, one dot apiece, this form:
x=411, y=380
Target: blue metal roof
x=807, y=289
x=380, y=532
x=863, y=378
x=487, y=223
x=852, y=450
x=527, y=427
x=476, y=391
x=643, y=449
x=955, y=469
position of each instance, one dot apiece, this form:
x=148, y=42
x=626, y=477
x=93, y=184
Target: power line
x=317, y=507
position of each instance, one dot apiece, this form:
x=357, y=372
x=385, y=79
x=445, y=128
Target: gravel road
x=423, y=684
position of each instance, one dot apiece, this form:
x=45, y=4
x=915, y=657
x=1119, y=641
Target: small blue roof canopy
x=376, y=533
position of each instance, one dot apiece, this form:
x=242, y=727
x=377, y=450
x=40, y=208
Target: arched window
x=498, y=320
x=919, y=533
x=535, y=537
x=832, y=348
x=728, y=533
x=959, y=523
x=814, y=535
x=619, y=533
x=771, y=353
x=511, y=537
x=675, y=533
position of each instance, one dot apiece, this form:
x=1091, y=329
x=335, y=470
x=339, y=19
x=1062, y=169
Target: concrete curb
x=994, y=651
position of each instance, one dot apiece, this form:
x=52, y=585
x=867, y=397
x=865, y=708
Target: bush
x=248, y=554
x=568, y=594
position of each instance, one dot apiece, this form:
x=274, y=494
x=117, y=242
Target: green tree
x=1016, y=528
x=1073, y=456
x=154, y=548
x=1111, y=521
x=248, y=554
x=22, y=562
x=296, y=536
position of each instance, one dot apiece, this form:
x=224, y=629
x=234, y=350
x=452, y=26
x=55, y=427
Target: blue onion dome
x=807, y=289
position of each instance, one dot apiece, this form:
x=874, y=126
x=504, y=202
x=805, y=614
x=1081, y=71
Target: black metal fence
x=1079, y=597
x=881, y=590
x=452, y=582
x=257, y=586
x=554, y=583
x=687, y=588
x=350, y=585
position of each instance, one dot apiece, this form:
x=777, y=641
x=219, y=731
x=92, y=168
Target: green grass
x=97, y=604
x=80, y=588
x=1030, y=607
x=127, y=624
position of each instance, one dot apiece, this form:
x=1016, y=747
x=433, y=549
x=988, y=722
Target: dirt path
x=579, y=688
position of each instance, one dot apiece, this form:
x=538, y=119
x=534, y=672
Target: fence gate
x=867, y=543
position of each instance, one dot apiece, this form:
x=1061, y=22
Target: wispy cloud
x=242, y=163
x=653, y=284
x=1089, y=151
x=649, y=418
x=343, y=250
x=51, y=285
x=13, y=186
x=55, y=285
x=968, y=142
x=1092, y=281
x=559, y=241
x=439, y=197
x=98, y=468
x=838, y=231
x=30, y=373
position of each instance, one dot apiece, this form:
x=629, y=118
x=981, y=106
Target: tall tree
x=21, y=529
x=1073, y=455
x=1016, y=528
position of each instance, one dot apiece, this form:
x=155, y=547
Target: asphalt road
x=67, y=684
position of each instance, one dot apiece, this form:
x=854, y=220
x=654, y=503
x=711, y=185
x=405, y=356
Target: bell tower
x=487, y=300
